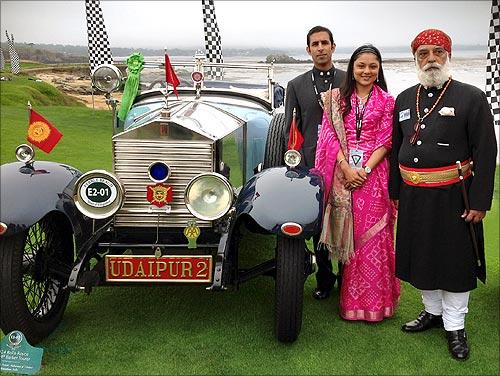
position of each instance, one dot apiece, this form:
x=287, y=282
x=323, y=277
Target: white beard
x=433, y=77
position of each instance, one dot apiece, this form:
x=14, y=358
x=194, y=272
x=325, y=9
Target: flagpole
x=166, y=82
x=29, y=118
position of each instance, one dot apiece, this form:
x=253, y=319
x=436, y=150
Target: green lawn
x=188, y=330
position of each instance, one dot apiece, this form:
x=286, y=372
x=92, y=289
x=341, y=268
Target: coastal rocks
x=75, y=85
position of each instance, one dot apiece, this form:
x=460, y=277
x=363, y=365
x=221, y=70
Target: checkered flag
x=493, y=63
x=15, y=67
x=213, y=47
x=99, y=51
x=2, y=60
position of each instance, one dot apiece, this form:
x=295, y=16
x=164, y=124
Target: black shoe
x=424, y=321
x=457, y=344
x=324, y=292
x=321, y=294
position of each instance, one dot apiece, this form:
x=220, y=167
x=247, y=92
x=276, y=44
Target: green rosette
x=135, y=64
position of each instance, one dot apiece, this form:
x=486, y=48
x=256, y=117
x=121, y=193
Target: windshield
x=143, y=113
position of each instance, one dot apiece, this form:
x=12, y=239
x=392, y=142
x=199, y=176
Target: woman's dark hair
x=349, y=84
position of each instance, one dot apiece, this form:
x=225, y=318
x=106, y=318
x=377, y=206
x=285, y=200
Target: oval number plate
x=98, y=192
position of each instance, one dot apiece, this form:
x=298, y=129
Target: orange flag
x=295, y=138
x=170, y=75
x=41, y=133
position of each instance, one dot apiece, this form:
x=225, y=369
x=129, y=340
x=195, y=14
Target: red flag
x=295, y=138
x=170, y=75
x=41, y=133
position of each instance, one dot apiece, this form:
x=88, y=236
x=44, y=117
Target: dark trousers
x=325, y=277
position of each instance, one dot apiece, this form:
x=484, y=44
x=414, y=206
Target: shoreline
x=74, y=80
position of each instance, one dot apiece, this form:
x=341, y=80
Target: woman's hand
x=354, y=177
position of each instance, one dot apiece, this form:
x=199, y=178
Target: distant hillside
x=45, y=56
x=82, y=51
x=59, y=53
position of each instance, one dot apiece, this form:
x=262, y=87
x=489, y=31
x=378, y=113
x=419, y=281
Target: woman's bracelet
x=339, y=162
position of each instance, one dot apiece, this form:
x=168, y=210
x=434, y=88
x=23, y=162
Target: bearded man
x=439, y=243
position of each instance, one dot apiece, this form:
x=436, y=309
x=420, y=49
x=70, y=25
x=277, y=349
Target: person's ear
x=308, y=50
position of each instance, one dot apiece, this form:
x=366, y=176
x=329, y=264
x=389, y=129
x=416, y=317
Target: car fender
x=29, y=192
x=279, y=195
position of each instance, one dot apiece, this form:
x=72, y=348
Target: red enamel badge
x=159, y=194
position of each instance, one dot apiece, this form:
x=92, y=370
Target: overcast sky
x=158, y=24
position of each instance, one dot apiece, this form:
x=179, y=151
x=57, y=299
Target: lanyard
x=318, y=96
x=359, y=116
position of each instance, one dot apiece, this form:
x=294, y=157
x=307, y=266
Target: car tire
x=275, y=144
x=34, y=267
x=290, y=278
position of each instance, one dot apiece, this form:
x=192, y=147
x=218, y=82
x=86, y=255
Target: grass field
x=187, y=330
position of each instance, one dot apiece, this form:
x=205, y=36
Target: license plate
x=158, y=269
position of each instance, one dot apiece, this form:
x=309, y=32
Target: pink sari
x=370, y=291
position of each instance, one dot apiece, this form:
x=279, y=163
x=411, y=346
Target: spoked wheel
x=275, y=144
x=290, y=278
x=35, y=265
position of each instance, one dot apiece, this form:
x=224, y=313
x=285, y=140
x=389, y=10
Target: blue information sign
x=18, y=356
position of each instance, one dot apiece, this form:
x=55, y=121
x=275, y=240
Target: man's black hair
x=317, y=29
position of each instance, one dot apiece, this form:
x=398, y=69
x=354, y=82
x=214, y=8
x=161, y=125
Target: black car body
x=188, y=173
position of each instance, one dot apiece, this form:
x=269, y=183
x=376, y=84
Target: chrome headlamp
x=292, y=158
x=98, y=194
x=107, y=78
x=25, y=153
x=209, y=196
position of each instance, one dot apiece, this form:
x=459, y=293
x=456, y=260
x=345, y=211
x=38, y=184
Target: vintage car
x=188, y=173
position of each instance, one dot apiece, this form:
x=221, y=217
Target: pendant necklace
x=420, y=119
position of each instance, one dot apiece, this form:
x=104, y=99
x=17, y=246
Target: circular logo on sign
x=98, y=192
x=197, y=76
x=15, y=338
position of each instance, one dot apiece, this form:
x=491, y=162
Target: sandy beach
x=77, y=85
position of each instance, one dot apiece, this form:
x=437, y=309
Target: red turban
x=432, y=37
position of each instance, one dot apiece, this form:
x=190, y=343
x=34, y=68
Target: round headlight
x=98, y=194
x=209, y=196
x=107, y=78
x=158, y=172
x=292, y=158
x=25, y=153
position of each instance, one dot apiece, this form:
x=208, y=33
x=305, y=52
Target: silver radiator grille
x=131, y=160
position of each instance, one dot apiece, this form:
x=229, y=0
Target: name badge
x=404, y=115
x=356, y=158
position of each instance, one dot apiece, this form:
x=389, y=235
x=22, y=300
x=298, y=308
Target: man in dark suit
x=304, y=94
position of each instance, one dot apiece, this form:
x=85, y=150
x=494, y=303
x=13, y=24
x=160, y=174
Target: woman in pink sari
x=351, y=154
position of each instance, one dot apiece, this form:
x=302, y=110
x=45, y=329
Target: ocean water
x=399, y=70
x=400, y=74
x=468, y=66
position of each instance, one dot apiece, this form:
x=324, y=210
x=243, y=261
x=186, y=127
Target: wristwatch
x=367, y=169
